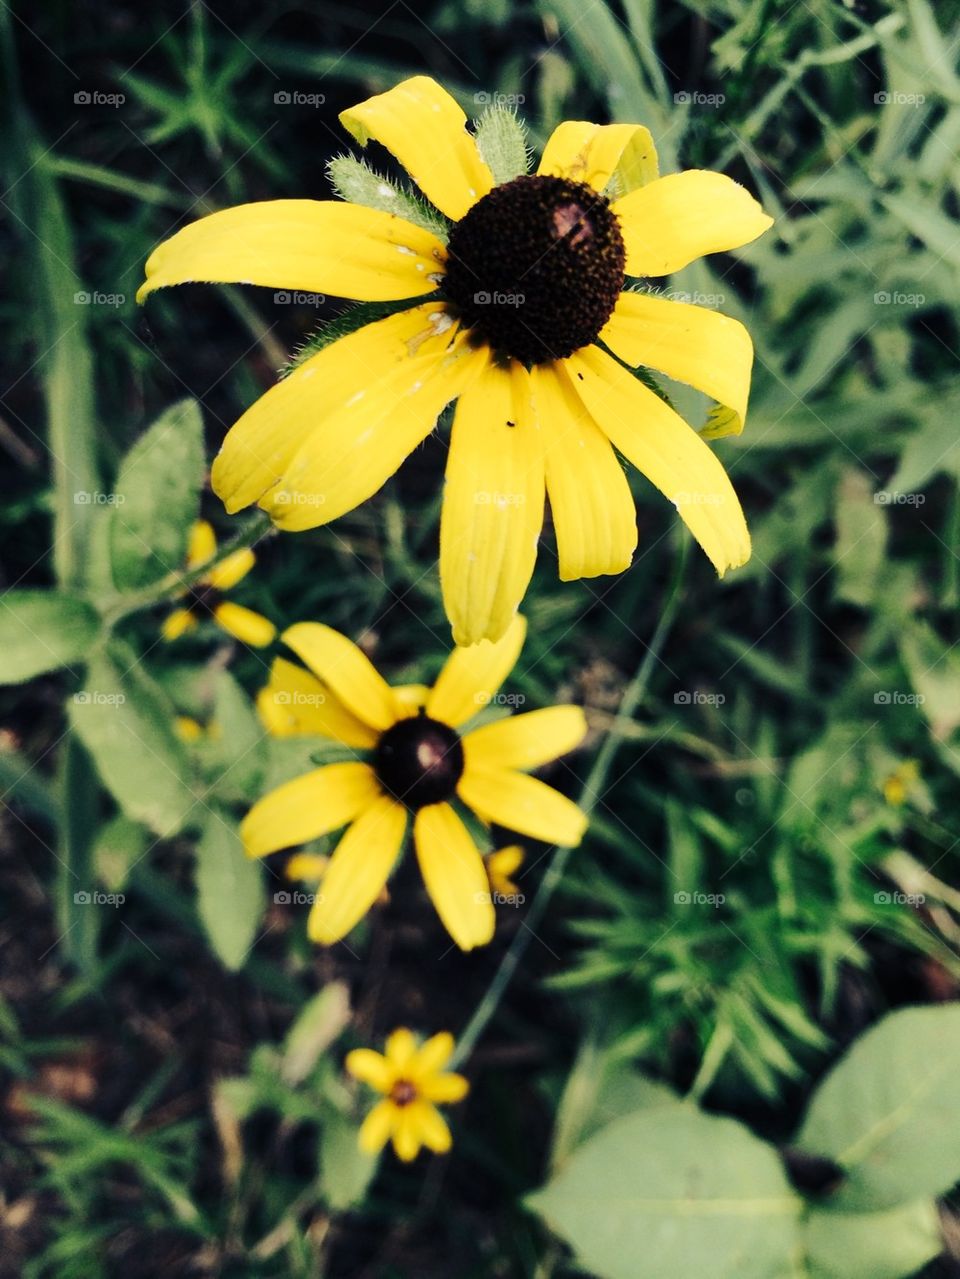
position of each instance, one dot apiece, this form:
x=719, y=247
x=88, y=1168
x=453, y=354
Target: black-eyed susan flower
x=421, y=758
x=500, y=865
x=412, y=1080
x=519, y=311
x=206, y=597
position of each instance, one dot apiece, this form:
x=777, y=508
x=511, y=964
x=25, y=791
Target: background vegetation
x=772, y=864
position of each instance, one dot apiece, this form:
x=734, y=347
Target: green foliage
x=230, y=895
x=43, y=631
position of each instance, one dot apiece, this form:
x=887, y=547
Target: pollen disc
x=535, y=268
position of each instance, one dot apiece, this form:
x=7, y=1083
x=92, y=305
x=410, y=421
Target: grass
x=773, y=758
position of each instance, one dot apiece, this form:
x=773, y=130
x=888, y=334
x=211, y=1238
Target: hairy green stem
x=589, y=797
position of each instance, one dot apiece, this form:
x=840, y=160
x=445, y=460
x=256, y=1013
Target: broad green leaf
x=230, y=892
x=42, y=631
x=119, y=844
x=318, y=1025
x=872, y=1245
x=126, y=723
x=157, y=498
x=889, y=1111
x=672, y=1191
x=933, y=448
x=345, y=1170
x=235, y=750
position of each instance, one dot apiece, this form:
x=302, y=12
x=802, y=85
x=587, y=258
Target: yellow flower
x=898, y=785
x=529, y=279
x=420, y=760
x=205, y=597
x=411, y=1080
x=190, y=730
x=500, y=866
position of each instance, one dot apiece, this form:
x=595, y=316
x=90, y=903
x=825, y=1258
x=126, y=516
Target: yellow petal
x=446, y=1088
x=593, y=153
x=371, y=1068
x=705, y=349
x=310, y=246
x=295, y=703
x=471, y=676
x=376, y=1128
x=319, y=801
x=419, y=123
x=343, y=400
x=233, y=569
x=669, y=223
x=307, y=867
x=187, y=729
x=523, y=804
x=349, y=456
x=454, y=874
x=177, y=623
x=202, y=545
x=594, y=517
x=406, y=1134
x=409, y=698
x=338, y=662
x=525, y=741
x=401, y=1048
x=430, y=1125
x=246, y=625
x=668, y=452
x=492, y=504
x=433, y=1056
x=358, y=870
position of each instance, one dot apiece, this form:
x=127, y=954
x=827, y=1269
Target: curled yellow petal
x=421, y=124
x=595, y=153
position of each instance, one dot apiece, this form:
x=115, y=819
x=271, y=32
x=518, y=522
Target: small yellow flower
x=308, y=868
x=500, y=866
x=411, y=1080
x=420, y=760
x=190, y=730
x=205, y=597
x=897, y=786
x=530, y=321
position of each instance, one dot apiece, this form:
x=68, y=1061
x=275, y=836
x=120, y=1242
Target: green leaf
x=861, y=539
x=672, y=1191
x=157, y=498
x=318, y=1025
x=934, y=669
x=126, y=722
x=230, y=892
x=119, y=843
x=235, y=752
x=502, y=142
x=345, y=1170
x=42, y=631
x=889, y=1111
x=356, y=182
x=872, y=1245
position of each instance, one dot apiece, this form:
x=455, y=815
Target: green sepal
x=501, y=139
x=355, y=182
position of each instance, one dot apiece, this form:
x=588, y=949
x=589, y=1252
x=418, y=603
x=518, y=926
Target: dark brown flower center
x=202, y=599
x=403, y=1092
x=419, y=761
x=535, y=267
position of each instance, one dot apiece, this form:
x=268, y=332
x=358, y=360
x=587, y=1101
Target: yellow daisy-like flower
x=420, y=760
x=505, y=317
x=500, y=866
x=205, y=597
x=411, y=1079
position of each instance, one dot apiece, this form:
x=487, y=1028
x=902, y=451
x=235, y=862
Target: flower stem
x=589, y=797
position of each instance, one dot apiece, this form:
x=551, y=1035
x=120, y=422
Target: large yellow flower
x=420, y=760
x=411, y=1079
x=506, y=316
